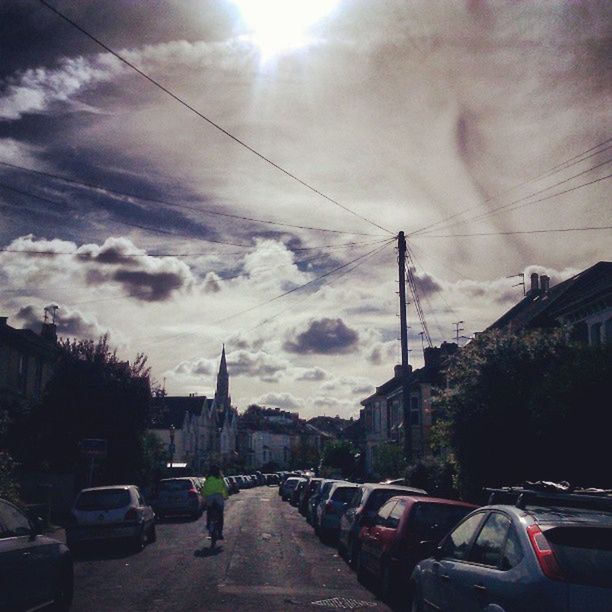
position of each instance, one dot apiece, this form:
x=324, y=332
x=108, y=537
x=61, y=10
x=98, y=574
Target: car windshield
x=431, y=521
x=343, y=494
x=175, y=485
x=584, y=554
x=108, y=499
x=379, y=496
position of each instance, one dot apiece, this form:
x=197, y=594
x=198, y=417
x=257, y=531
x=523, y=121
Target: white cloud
x=284, y=400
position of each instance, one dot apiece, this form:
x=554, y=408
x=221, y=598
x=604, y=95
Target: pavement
x=270, y=559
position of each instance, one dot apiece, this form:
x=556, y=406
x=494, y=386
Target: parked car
x=330, y=510
x=286, y=489
x=35, y=570
x=311, y=488
x=315, y=499
x=541, y=551
x=401, y=534
x=111, y=513
x=178, y=496
x=295, y=494
x=366, y=502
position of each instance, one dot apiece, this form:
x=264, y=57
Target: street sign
x=94, y=447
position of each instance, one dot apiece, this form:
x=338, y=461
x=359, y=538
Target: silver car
x=179, y=496
x=111, y=513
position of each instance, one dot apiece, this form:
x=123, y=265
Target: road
x=270, y=559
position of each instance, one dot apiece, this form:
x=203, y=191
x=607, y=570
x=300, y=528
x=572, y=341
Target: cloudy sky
x=460, y=122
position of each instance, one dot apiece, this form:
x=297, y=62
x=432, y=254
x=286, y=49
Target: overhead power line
x=561, y=166
x=298, y=288
x=156, y=230
x=520, y=203
x=511, y=233
x=124, y=194
x=189, y=107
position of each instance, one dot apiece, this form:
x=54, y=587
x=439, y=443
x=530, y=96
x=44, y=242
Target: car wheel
x=354, y=554
x=362, y=574
x=152, y=533
x=139, y=540
x=386, y=582
x=64, y=589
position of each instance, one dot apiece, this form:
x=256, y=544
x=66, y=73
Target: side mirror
x=38, y=525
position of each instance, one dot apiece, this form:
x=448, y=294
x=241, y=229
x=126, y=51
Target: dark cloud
x=149, y=286
x=68, y=323
x=425, y=283
x=324, y=336
x=313, y=374
x=262, y=365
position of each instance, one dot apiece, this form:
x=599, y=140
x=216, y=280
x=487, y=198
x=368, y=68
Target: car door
x=371, y=544
x=486, y=576
x=26, y=560
x=435, y=578
x=387, y=534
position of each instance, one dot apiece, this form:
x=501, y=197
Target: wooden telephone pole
x=401, y=247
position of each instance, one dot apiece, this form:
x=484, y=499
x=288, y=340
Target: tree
x=525, y=407
x=389, y=460
x=338, y=456
x=8, y=484
x=93, y=394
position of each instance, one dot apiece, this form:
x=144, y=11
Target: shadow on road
x=176, y=519
x=98, y=552
x=202, y=553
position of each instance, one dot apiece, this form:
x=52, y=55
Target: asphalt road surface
x=270, y=559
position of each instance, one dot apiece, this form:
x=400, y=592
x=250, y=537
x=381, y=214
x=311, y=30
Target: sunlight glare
x=282, y=25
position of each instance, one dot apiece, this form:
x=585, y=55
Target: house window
x=415, y=412
x=38, y=377
x=596, y=334
x=22, y=377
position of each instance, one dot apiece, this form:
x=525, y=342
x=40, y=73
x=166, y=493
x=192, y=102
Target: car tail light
x=544, y=553
x=192, y=493
x=131, y=515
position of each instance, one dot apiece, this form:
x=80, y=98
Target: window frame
x=483, y=517
x=4, y=533
x=502, y=548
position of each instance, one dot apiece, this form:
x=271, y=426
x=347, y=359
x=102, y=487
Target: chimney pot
x=534, y=283
x=544, y=283
x=3, y=320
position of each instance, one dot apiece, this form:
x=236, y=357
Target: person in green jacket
x=215, y=493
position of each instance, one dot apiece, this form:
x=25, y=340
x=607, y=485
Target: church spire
x=222, y=398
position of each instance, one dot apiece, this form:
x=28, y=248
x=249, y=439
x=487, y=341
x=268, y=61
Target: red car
x=404, y=531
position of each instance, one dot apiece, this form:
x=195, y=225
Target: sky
x=338, y=123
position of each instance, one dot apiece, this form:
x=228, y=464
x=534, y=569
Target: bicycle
x=213, y=524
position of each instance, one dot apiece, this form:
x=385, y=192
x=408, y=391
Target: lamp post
x=171, y=448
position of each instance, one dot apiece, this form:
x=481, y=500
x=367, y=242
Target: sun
x=277, y=26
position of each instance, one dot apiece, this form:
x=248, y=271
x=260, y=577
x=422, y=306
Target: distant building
x=27, y=360
x=197, y=430
x=582, y=302
x=382, y=413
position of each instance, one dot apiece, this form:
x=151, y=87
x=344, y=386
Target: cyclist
x=215, y=493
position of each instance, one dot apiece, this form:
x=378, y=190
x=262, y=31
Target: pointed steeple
x=222, y=398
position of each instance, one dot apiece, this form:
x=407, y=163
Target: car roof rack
x=538, y=495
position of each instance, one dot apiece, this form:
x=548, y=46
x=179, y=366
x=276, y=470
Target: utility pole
x=401, y=247
x=458, y=329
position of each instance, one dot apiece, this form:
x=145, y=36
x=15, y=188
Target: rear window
x=343, y=494
x=110, y=499
x=379, y=496
x=584, y=554
x=432, y=521
x=175, y=485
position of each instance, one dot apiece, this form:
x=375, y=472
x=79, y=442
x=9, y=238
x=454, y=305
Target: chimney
x=534, y=290
x=544, y=283
x=397, y=371
x=3, y=321
x=49, y=332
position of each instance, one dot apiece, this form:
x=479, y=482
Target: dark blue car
x=545, y=552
